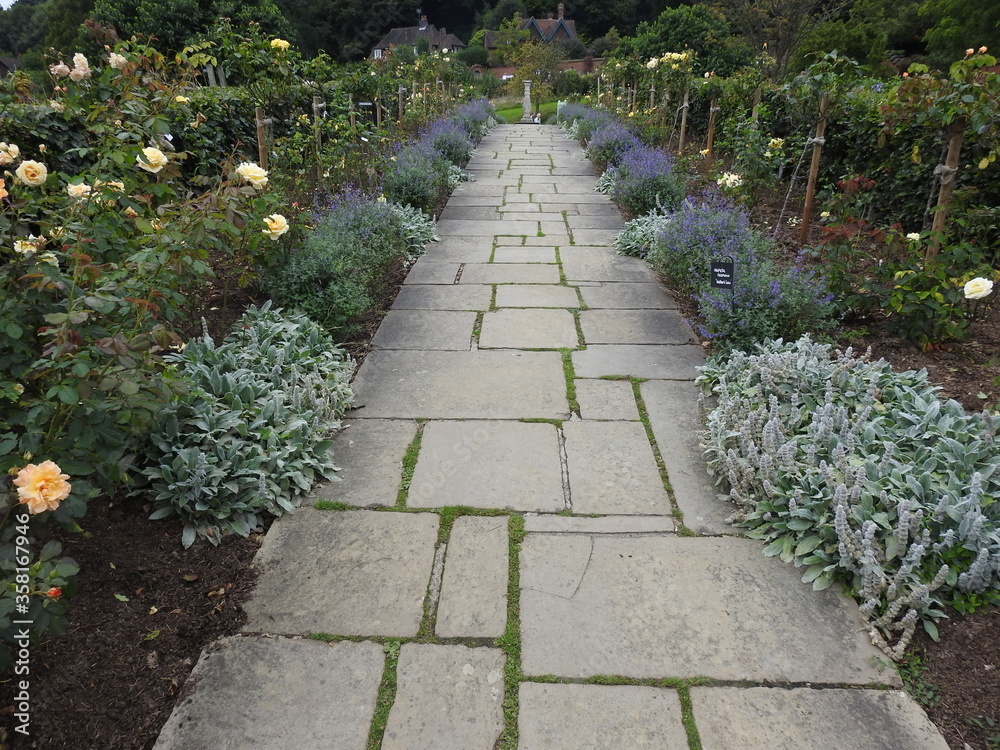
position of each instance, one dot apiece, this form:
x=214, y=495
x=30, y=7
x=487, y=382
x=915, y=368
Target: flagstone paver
x=369, y=454
x=672, y=408
x=627, y=296
x=595, y=717
x=446, y=697
x=639, y=361
x=488, y=464
x=461, y=385
x=528, y=329
x=355, y=572
x=540, y=295
x=426, y=329
x=440, y=297
x=606, y=399
x=612, y=469
x=474, y=588
x=660, y=607
x=261, y=692
x=751, y=718
x=635, y=327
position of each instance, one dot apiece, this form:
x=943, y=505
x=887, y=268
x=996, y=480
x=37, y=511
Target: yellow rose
x=978, y=288
x=181, y=99
x=31, y=173
x=79, y=190
x=252, y=174
x=130, y=212
x=151, y=159
x=42, y=487
x=280, y=44
x=49, y=258
x=277, y=225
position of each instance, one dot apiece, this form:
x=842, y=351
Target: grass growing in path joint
x=570, y=374
x=386, y=696
x=510, y=642
x=409, y=464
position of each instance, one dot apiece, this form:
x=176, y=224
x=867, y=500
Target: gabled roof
x=549, y=28
x=9, y=65
x=436, y=38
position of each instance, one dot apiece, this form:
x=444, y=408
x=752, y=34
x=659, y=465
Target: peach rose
x=42, y=487
x=277, y=225
x=31, y=173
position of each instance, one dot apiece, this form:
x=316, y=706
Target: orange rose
x=42, y=487
x=54, y=593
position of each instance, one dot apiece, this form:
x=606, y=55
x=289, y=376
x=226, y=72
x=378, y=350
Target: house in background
x=8, y=65
x=554, y=28
x=438, y=40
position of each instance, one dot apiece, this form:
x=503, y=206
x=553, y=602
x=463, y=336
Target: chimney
x=549, y=15
x=562, y=10
x=423, y=22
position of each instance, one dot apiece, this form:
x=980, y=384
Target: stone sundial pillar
x=526, y=117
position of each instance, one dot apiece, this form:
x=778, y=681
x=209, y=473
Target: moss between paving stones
x=409, y=464
x=570, y=373
x=510, y=642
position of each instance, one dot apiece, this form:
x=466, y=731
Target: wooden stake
x=684, y=122
x=652, y=95
x=814, y=169
x=401, y=95
x=317, y=135
x=955, y=133
x=755, y=110
x=712, y=107
x=261, y=137
x=352, y=114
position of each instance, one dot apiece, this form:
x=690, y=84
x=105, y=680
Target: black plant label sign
x=723, y=272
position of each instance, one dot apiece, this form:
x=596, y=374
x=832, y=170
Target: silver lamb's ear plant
x=868, y=479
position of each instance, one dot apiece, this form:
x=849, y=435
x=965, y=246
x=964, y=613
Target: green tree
x=538, y=63
x=694, y=27
x=23, y=26
x=346, y=29
x=176, y=23
x=957, y=25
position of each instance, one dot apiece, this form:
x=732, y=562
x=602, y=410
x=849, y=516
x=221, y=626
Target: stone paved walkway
x=525, y=550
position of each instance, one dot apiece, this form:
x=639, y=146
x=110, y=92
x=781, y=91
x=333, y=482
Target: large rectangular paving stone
x=426, y=272
x=672, y=407
x=473, y=600
x=528, y=329
x=628, y=296
x=369, y=453
x=604, y=264
x=426, y=329
x=537, y=295
x=461, y=385
x=275, y=692
x=524, y=255
x=599, y=717
x=510, y=273
x=488, y=464
x=472, y=228
x=354, y=572
x=446, y=697
x=559, y=524
x=612, y=469
x=732, y=718
x=684, y=607
x=443, y=297
x=635, y=327
x=658, y=362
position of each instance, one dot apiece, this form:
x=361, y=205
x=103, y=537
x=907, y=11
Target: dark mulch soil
x=144, y=610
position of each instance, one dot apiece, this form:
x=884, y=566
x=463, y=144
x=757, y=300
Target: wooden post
x=210, y=73
x=824, y=105
x=261, y=137
x=755, y=110
x=318, y=108
x=712, y=107
x=378, y=113
x=350, y=108
x=955, y=133
x=401, y=94
x=684, y=122
x=652, y=94
x=600, y=83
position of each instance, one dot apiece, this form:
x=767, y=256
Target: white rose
x=252, y=174
x=913, y=236
x=79, y=190
x=31, y=173
x=117, y=61
x=57, y=105
x=151, y=159
x=60, y=70
x=78, y=74
x=277, y=225
x=977, y=288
